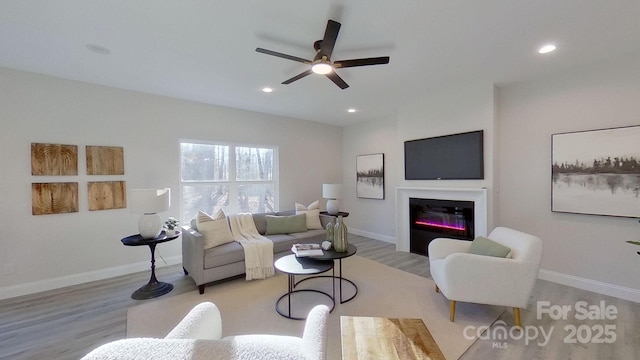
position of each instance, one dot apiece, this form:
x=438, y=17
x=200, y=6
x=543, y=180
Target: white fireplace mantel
x=403, y=194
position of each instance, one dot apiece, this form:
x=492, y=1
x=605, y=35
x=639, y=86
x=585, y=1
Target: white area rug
x=249, y=307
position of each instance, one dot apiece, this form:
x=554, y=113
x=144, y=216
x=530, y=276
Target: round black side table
x=153, y=288
x=340, y=213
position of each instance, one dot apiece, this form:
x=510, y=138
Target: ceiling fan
x=321, y=63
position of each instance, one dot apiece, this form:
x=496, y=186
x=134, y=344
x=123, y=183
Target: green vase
x=329, y=229
x=340, y=236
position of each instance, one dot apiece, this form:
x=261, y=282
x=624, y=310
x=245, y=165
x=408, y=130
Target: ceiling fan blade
x=297, y=77
x=337, y=80
x=361, y=62
x=284, y=56
x=330, y=37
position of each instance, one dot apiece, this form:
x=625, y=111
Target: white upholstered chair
x=465, y=277
x=199, y=337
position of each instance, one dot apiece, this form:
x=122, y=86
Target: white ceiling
x=205, y=50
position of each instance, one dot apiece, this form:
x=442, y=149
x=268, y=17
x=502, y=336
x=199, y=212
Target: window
x=236, y=178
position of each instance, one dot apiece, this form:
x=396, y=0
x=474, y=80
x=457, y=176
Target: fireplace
x=433, y=218
x=478, y=196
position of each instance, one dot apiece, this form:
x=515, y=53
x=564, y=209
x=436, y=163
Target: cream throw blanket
x=258, y=250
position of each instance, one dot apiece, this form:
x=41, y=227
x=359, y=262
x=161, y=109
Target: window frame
x=232, y=181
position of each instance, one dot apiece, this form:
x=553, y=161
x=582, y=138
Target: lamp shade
x=149, y=201
x=332, y=191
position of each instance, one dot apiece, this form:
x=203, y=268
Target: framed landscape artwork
x=596, y=172
x=370, y=176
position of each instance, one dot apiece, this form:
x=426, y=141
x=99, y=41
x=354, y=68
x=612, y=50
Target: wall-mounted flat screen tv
x=448, y=157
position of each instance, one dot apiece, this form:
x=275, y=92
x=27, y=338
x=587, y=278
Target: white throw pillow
x=215, y=229
x=313, y=214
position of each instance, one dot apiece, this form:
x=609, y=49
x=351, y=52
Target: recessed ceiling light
x=267, y=89
x=545, y=49
x=98, y=49
x=351, y=110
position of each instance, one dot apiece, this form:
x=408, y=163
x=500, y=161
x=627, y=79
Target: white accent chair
x=481, y=279
x=199, y=336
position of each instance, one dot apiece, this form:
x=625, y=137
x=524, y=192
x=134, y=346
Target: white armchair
x=481, y=279
x=199, y=336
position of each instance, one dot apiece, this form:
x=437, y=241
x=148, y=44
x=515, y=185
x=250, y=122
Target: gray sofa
x=227, y=260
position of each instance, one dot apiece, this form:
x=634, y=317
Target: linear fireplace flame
x=440, y=225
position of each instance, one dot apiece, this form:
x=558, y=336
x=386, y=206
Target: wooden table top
x=387, y=338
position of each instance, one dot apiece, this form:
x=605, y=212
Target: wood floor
x=67, y=323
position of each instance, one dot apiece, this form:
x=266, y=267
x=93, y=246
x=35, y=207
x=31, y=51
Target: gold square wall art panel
x=105, y=160
x=54, y=198
x=106, y=195
x=54, y=159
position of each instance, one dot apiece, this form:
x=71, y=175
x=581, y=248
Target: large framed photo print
x=370, y=176
x=596, y=172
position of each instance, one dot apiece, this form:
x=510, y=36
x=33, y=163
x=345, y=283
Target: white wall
x=371, y=217
x=581, y=250
x=48, y=251
x=584, y=251
x=454, y=110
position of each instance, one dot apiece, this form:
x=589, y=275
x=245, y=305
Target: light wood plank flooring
x=67, y=323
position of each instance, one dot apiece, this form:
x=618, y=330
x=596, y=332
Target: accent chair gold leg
x=437, y=289
x=452, y=310
x=516, y=315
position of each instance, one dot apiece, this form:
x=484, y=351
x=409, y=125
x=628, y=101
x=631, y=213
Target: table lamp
x=149, y=202
x=332, y=192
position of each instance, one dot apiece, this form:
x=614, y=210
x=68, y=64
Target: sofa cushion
x=260, y=219
x=313, y=214
x=286, y=224
x=310, y=237
x=215, y=229
x=224, y=254
x=485, y=246
x=282, y=242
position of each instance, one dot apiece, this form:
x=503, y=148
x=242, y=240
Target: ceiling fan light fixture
x=322, y=68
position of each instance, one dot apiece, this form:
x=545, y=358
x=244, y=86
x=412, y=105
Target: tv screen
x=449, y=157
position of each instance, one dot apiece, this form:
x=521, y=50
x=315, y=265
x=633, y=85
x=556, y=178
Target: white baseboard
x=371, y=235
x=64, y=281
x=599, y=287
